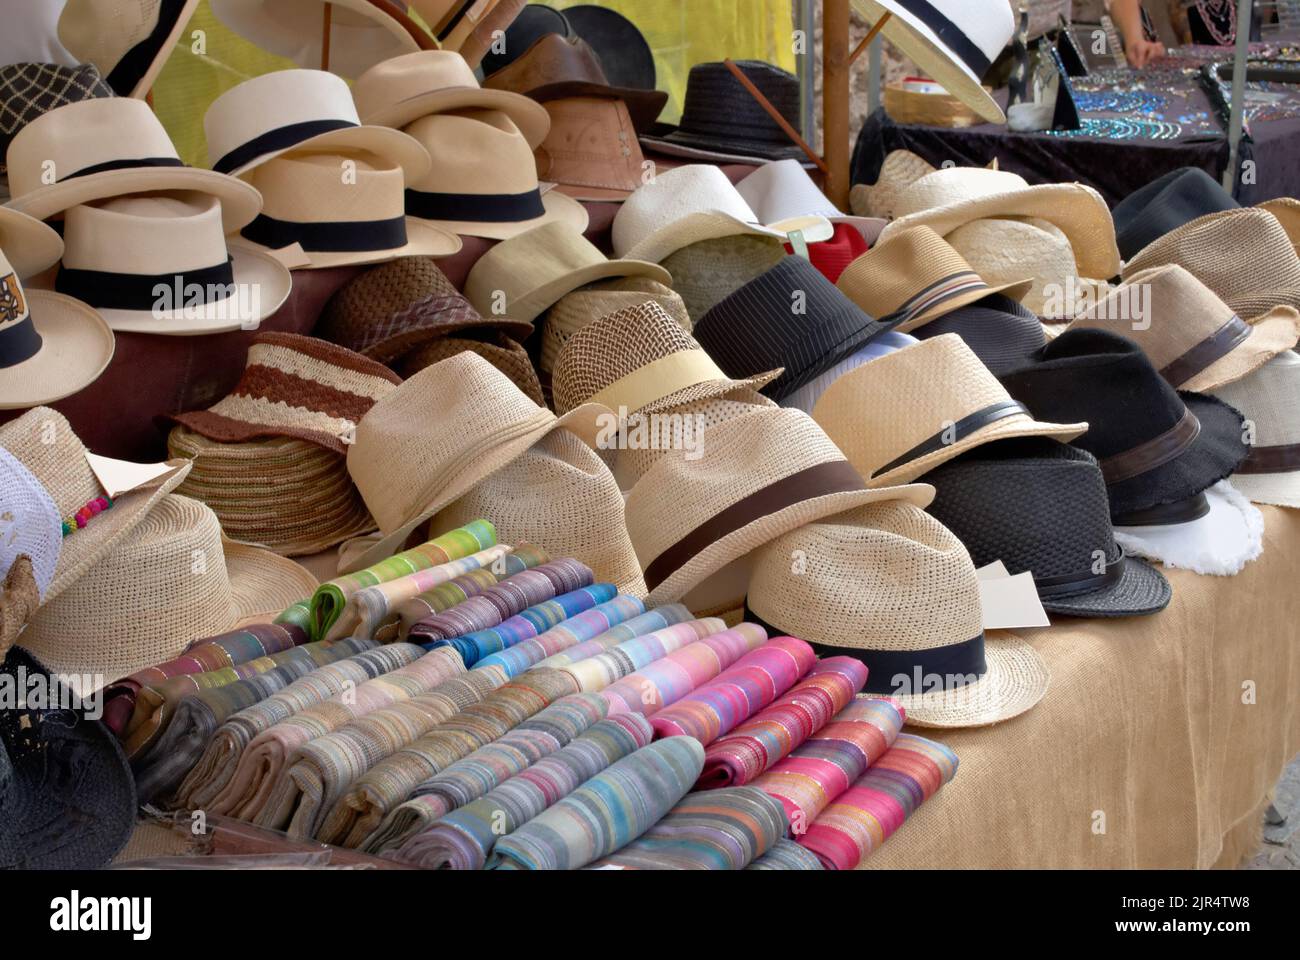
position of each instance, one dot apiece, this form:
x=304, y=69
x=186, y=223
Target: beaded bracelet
x=83, y=516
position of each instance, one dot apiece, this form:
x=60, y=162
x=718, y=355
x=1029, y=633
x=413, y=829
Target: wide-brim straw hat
x=129, y=41
x=890, y=585
x=574, y=311
x=1269, y=398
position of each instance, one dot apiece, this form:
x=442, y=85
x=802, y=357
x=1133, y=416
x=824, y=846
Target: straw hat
x=708, y=271
x=1191, y=336
x=688, y=204
x=343, y=210
x=484, y=179
x=361, y=33
x=898, y=171
x=575, y=310
x=806, y=397
x=905, y=413
x=753, y=478
x=639, y=359
x=43, y=441
x=272, y=114
x=409, y=465
x=30, y=527
x=526, y=274
x=404, y=89
x=915, y=276
x=1287, y=211
x=128, y=40
x=1244, y=256
x=559, y=495
x=171, y=580
x=781, y=192
x=494, y=346
x=891, y=586
x=1269, y=398
x=105, y=148
x=122, y=252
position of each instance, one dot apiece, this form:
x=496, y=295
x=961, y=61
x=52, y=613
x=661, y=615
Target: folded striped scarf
x=464, y=839
x=772, y=733
x=786, y=855
x=711, y=830
x=588, y=625
x=598, y=671
x=815, y=774
x=445, y=596
x=648, y=622
x=607, y=812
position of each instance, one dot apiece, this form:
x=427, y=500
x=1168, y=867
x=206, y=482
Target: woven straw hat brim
x=558, y=207
x=1016, y=680
x=76, y=346
x=1276, y=331
x=263, y=585
x=535, y=302
x=1287, y=211
x=1276, y=489
x=383, y=141
x=709, y=225
x=1016, y=290
x=145, y=83
x=423, y=239
x=527, y=114
x=1142, y=589
x=709, y=390
x=31, y=247
x=900, y=169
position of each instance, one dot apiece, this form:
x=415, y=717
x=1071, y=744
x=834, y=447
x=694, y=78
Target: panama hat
x=1165, y=204
x=909, y=411
x=409, y=465
x=782, y=193
x=898, y=171
x=526, y=274
x=30, y=246
x=285, y=110
x=575, y=310
x=688, y=204
x=1191, y=336
x=1003, y=333
x=1287, y=211
x=404, y=89
x=914, y=276
x=708, y=271
x=361, y=33
x=1270, y=399
x=108, y=147
x=128, y=40
x=892, y=587
x=754, y=478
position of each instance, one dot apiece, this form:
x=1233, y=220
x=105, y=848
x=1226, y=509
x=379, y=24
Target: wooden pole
x=325, y=36
x=866, y=41
x=774, y=113
x=835, y=99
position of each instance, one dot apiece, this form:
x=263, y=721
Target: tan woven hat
x=523, y=276
x=707, y=272
x=893, y=587
x=1287, y=211
x=559, y=495
x=171, y=580
x=408, y=465
x=127, y=40
x=1270, y=399
x=1244, y=256
x=1191, y=336
x=496, y=347
x=748, y=480
x=575, y=310
x=914, y=277
x=905, y=413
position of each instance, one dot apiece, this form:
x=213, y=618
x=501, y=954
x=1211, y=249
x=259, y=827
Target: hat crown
x=474, y=152
x=782, y=189
x=672, y=196
x=904, y=264
x=1269, y=398
x=99, y=33
x=950, y=185
x=43, y=441
x=552, y=58
x=330, y=188
x=410, y=75
x=712, y=93
x=148, y=235
x=531, y=260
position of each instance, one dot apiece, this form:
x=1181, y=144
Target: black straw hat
x=1178, y=197
x=1001, y=331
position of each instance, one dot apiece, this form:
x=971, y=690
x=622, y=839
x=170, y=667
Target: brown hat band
x=1154, y=453
x=1282, y=458
x=1214, y=347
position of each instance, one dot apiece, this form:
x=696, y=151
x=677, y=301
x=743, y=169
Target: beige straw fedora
x=408, y=464
x=901, y=415
x=129, y=41
x=749, y=480
x=107, y=147
x=525, y=275
x=914, y=277
x=484, y=179
x=43, y=441
x=1191, y=336
x=899, y=170
x=171, y=580
x=893, y=587
x=272, y=114
x=404, y=89
x=1270, y=399
x=574, y=311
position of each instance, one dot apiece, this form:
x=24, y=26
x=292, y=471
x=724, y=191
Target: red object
x=831, y=256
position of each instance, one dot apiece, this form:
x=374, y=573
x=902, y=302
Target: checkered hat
x=28, y=90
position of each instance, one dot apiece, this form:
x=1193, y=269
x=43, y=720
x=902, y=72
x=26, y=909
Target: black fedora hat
x=1179, y=197
x=1157, y=447
x=790, y=316
x=1001, y=331
x=1039, y=505
x=622, y=48
x=533, y=22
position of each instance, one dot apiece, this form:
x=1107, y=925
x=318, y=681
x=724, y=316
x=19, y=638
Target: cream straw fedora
x=905, y=413
x=692, y=203
x=408, y=465
x=893, y=587
x=172, y=580
x=1270, y=399
x=127, y=40
x=361, y=33
x=782, y=194
x=749, y=480
x=341, y=209
x=484, y=179
x=898, y=171
x=404, y=89
x=31, y=246
x=270, y=115
x=158, y=263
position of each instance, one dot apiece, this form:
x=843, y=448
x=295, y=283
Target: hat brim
x=714, y=225
x=691, y=146
x=528, y=115
x=1271, y=334
x=1141, y=590
x=1217, y=544
x=535, y=302
x=262, y=584
x=1015, y=290
x=423, y=239
x=643, y=106
x=76, y=346
x=710, y=390
x=559, y=209
x=145, y=83
x=1274, y=489
x=30, y=246
x=382, y=141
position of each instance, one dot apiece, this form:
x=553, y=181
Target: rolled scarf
x=814, y=775
x=754, y=746
x=523, y=655
x=744, y=688
x=865, y=815
x=318, y=614
x=607, y=812
x=711, y=830
x=648, y=622
x=598, y=671
x=464, y=839
x=787, y=855
x=670, y=678
x=445, y=596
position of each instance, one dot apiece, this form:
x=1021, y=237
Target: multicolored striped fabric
x=771, y=734
x=571, y=632
x=750, y=684
x=607, y=812
x=648, y=622
x=815, y=774
x=786, y=855
x=865, y=815
x=711, y=830
x=464, y=839
x=317, y=614
x=670, y=678
x=598, y=671
x=447, y=595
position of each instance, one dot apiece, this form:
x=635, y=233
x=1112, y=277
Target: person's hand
x=1142, y=52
